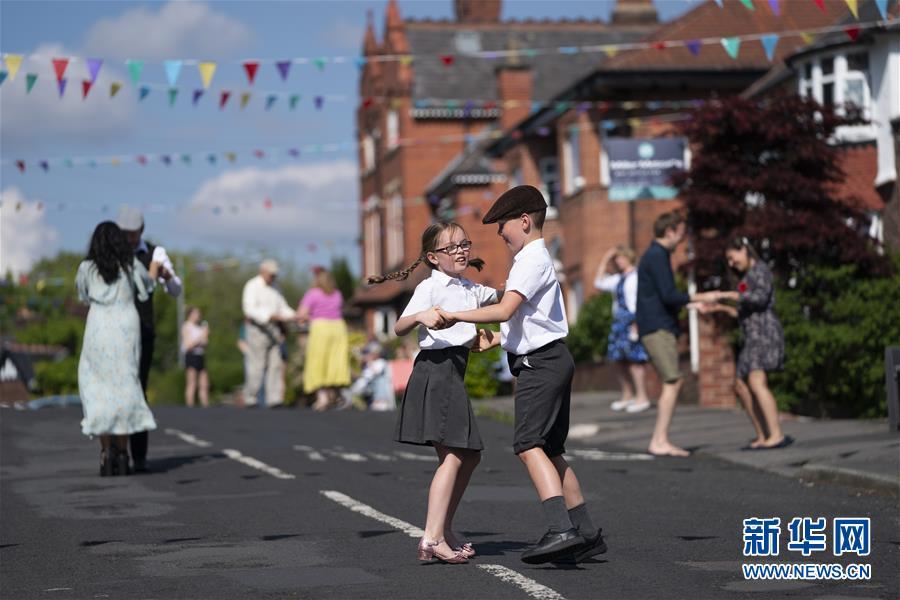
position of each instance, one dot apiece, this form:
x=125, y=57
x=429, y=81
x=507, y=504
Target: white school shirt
x=608, y=283
x=541, y=318
x=260, y=301
x=451, y=294
x=173, y=285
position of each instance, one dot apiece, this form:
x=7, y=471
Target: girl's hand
x=485, y=340
x=448, y=319
x=153, y=270
x=431, y=318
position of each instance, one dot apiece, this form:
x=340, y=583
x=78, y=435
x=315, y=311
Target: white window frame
x=394, y=230
x=372, y=236
x=368, y=152
x=573, y=178
x=839, y=77
x=392, y=126
x=546, y=182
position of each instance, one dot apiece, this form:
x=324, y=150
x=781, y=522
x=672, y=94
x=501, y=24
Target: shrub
x=587, y=338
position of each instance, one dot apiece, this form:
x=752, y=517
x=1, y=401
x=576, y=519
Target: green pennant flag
x=186, y=159
x=173, y=93
x=135, y=67
x=732, y=46
x=293, y=101
x=748, y=4
x=30, y=78
x=320, y=63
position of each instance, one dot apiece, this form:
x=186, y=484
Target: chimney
x=394, y=31
x=370, y=45
x=514, y=83
x=634, y=12
x=477, y=11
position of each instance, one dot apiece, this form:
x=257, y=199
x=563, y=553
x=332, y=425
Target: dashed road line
x=257, y=464
x=414, y=456
x=604, y=455
x=190, y=439
x=527, y=585
x=348, y=456
x=311, y=453
x=382, y=457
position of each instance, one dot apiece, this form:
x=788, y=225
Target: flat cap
x=129, y=218
x=514, y=203
x=269, y=266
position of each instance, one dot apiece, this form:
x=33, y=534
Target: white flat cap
x=129, y=218
x=269, y=266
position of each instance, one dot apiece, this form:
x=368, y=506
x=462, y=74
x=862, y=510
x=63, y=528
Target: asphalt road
x=291, y=504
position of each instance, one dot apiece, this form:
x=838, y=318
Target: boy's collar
x=533, y=243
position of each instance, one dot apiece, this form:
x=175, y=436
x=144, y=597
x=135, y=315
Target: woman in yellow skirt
x=327, y=365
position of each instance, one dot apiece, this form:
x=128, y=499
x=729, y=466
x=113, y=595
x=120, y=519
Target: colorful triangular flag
x=135, y=67
x=719, y=2
x=854, y=8
x=85, y=88
x=748, y=4
x=881, y=4
x=93, y=65
x=20, y=164
x=447, y=59
x=114, y=88
x=361, y=62
x=732, y=46
x=173, y=93
x=211, y=158
x=852, y=33
x=3, y=75
x=13, y=62
x=196, y=98
x=807, y=37
x=245, y=98
x=44, y=165
x=186, y=159
x=231, y=156
x=693, y=46
x=223, y=99
x=821, y=5
x=293, y=101
x=320, y=62
x=769, y=41
x=144, y=92
x=61, y=84
x=776, y=8
x=207, y=70
x=610, y=51
x=30, y=78
x=173, y=70
x=250, y=68
x=284, y=67
x=270, y=100
x=59, y=66
x=406, y=60
x=319, y=101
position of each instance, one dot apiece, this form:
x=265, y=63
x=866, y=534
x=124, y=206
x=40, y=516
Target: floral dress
x=763, y=344
x=621, y=346
x=108, y=381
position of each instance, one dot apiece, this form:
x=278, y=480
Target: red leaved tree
x=767, y=171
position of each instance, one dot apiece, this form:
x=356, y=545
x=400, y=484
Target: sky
x=302, y=210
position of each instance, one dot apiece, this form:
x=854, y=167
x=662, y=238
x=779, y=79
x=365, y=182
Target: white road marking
x=583, y=430
x=190, y=439
x=57, y=589
x=256, y=464
x=527, y=585
x=311, y=454
x=366, y=510
x=414, y=456
x=603, y=455
x=383, y=457
x=348, y=456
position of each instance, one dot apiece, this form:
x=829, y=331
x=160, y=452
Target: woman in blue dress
x=624, y=347
x=111, y=396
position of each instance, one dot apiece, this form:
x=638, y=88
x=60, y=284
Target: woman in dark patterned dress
x=763, y=341
x=624, y=348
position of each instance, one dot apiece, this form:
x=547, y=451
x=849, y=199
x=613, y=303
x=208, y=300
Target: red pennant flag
x=447, y=59
x=821, y=5
x=267, y=203
x=250, y=67
x=490, y=105
x=658, y=45
x=59, y=65
x=259, y=154
x=368, y=102
x=142, y=159
x=852, y=33
x=20, y=164
x=85, y=87
x=223, y=99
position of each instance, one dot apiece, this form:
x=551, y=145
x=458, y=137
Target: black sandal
x=106, y=464
x=122, y=467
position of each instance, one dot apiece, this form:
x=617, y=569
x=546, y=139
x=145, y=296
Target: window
x=572, y=161
x=548, y=169
x=394, y=230
x=574, y=300
x=393, y=129
x=368, y=151
x=838, y=79
x=372, y=238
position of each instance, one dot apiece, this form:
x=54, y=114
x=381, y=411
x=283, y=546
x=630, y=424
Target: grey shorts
x=543, y=396
x=662, y=347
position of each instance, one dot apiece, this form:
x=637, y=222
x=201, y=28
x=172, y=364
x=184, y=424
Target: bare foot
x=667, y=449
x=758, y=442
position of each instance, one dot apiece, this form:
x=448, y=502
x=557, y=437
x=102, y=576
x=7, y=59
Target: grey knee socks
x=556, y=514
x=582, y=521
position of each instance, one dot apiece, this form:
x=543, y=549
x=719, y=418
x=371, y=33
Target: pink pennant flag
x=250, y=67
x=267, y=204
x=59, y=65
x=85, y=88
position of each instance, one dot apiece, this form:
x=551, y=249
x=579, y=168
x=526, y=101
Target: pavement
x=861, y=453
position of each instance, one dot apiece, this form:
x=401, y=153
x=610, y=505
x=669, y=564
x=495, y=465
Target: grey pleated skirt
x=436, y=407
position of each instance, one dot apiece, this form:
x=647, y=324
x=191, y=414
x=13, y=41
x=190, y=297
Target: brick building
x=549, y=121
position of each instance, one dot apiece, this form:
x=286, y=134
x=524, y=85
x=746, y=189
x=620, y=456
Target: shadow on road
x=171, y=463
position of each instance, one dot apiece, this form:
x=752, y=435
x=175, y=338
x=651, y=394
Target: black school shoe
x=592, y=547
x=553, y=545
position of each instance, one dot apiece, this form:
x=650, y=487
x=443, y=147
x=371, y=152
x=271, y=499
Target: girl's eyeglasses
x=463, y=246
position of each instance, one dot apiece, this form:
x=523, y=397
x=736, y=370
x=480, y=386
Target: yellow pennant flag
x=231, y=156
x=245, y=98
x=13, y=62
x=406, y=60
x=114, y=88
x=807, y=37
x=610, y=51
x=853, y=8
x=114, y=161
x=207, y=69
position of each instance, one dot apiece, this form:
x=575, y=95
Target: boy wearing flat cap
x=533, y=325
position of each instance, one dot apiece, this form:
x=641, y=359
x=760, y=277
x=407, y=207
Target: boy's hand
x=448, y=319
x=485, y=340
x=431, y=318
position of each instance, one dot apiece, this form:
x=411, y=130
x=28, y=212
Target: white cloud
x=344, y=35
x=24, y=236
x=26, y=118
x=177, y=30
x=315, y=203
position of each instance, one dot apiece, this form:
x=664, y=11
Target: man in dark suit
x=131, y=222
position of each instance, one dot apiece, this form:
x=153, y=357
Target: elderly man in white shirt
x=265, y=309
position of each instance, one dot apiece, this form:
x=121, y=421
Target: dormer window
x=837, y=79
